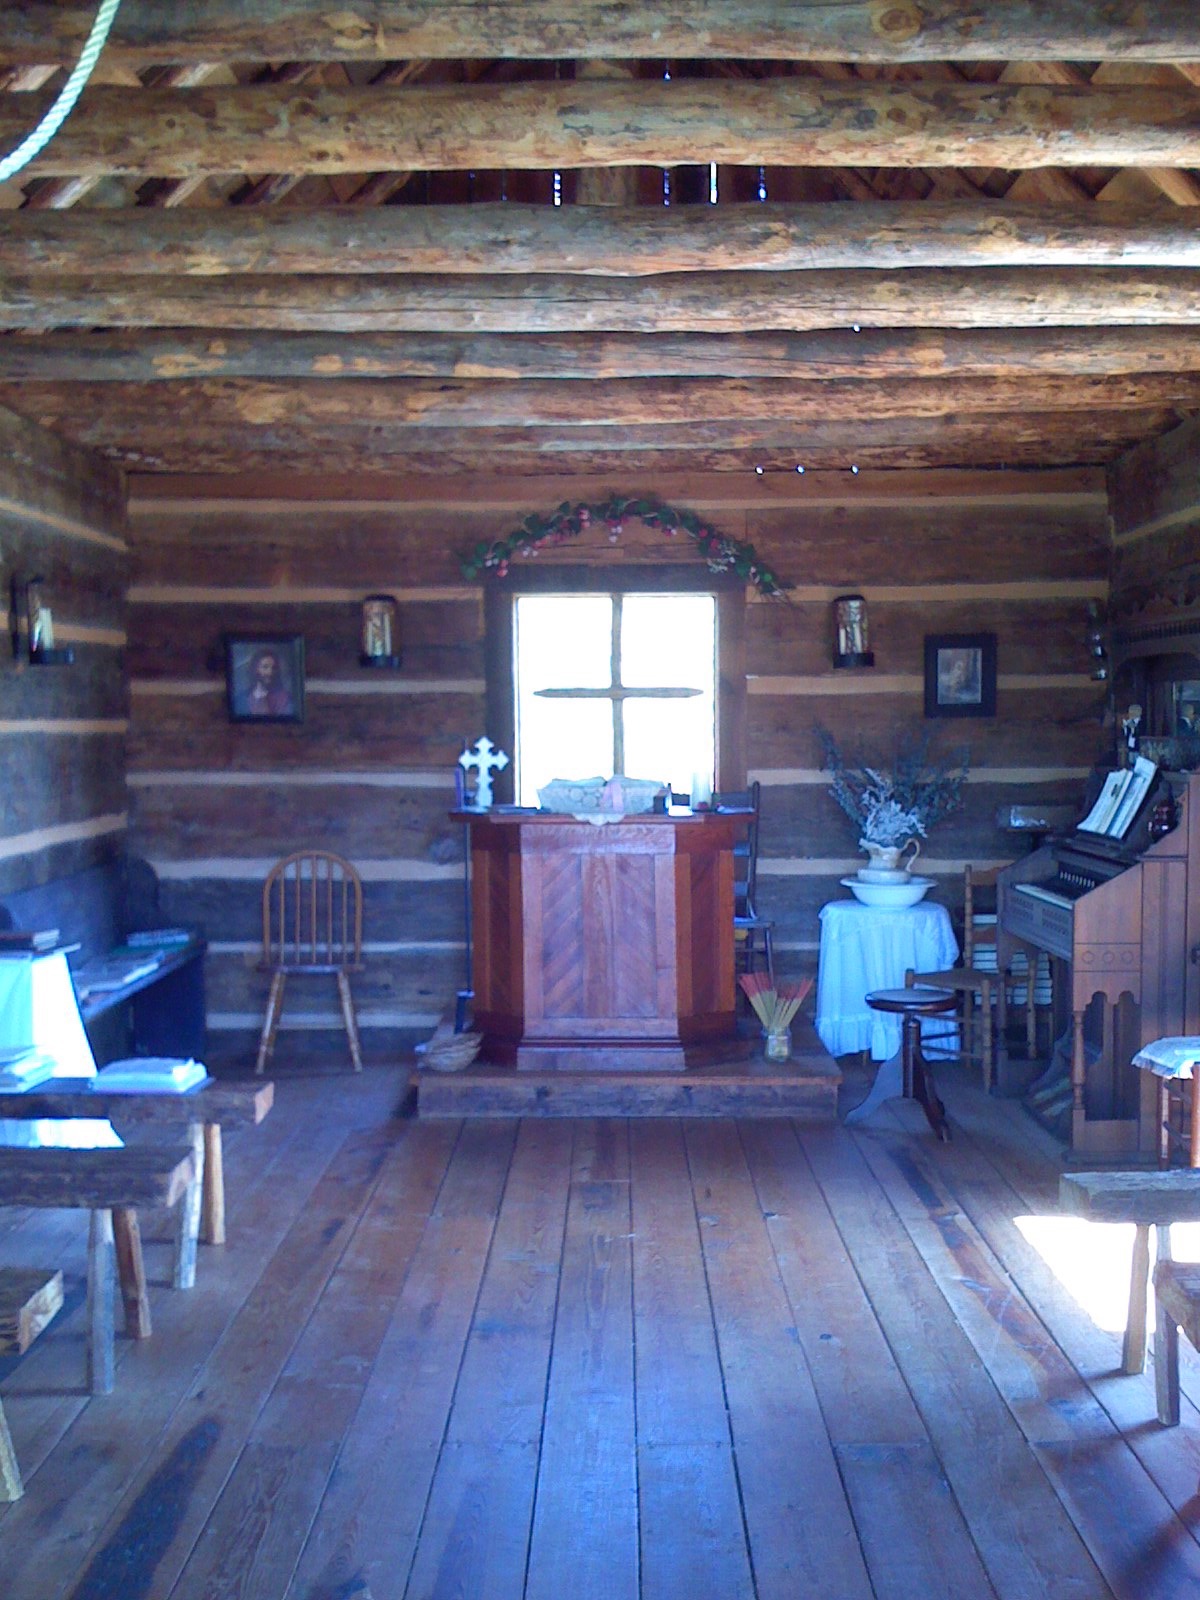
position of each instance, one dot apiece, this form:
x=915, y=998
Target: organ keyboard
x=1119, y=917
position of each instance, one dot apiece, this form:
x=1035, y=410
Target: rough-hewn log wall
x=62, y=729
x=369, y=772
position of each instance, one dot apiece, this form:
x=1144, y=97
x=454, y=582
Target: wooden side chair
x=311, y=923
x=983, y=989
x=750, y=930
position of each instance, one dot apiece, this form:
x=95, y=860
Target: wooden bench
x=198, y=1115
x=1176, y=1306
x=113, y=1185
x=29, y=1298
x=1148, y=1200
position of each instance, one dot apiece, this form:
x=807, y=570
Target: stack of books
x=23, y=1067
x=159, y=939
x=164, y=1074
x=114, y=971
x=21, y=941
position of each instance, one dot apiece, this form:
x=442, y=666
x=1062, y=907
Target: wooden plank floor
x=665, y=1359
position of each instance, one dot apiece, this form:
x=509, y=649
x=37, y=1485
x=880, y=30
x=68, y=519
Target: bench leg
x=11, y=1487
x=266, y=1044
x=187, y=1222
x=343, y=983
x=1166, y=1365
x=100, y=1302
x=212, y=1228
x=1133, y=1351
x=131, y=1272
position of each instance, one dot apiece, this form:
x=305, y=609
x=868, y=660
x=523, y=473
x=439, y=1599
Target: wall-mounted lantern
x=27, y=605
x=851, y=637
x=1097, y=642
x=380, y=637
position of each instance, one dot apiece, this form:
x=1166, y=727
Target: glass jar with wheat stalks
x=775, y=1006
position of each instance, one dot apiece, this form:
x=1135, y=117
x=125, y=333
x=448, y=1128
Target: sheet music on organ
x=1120, y=800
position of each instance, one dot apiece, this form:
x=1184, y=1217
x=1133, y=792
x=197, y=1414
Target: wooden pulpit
x=605, y=945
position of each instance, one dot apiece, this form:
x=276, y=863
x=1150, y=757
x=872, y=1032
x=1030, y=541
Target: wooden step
x=805, y=1087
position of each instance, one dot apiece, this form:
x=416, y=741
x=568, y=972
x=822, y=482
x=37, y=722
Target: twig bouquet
x=775, y=1005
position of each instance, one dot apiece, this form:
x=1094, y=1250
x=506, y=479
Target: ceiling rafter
x=854, y=30
x=540, y=125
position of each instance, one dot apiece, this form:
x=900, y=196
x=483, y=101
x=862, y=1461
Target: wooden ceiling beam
x=786, y=122
x=1028, y=438
x=628, y=403
x=698, y=302
x=152, y=355
x=853, y=30
x=636, y=240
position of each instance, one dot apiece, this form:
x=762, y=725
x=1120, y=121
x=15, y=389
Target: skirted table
x=864, y=949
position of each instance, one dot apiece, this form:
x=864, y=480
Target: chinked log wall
x=1155, y=494
x=369, y=772
x=62, y=729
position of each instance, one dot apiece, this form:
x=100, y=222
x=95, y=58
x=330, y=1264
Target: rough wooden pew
x=29, y=1298
x=1148, y=1200
x=198, y=1115
x=1176, y=1306
x=104, y=1182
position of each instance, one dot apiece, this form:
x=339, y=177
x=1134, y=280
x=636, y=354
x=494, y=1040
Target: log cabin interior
x=304, y=306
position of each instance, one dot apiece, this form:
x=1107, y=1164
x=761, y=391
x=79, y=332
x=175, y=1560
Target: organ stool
x=911, y=1005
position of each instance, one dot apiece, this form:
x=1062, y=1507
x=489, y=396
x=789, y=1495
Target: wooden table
x=167, y=1007
x=200, y=1112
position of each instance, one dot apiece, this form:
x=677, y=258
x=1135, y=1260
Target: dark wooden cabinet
x=606, y=945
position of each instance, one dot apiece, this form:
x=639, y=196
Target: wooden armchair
x=311, y=923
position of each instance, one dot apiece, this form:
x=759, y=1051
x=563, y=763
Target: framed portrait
x=960, y=674
x=264, y=677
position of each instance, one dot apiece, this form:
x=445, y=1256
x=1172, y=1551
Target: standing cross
x=483, y=760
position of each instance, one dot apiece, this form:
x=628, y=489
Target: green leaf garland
x=567, y=521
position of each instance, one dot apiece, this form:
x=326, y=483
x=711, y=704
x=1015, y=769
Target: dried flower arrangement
x=889, y=807
x=775, y=1005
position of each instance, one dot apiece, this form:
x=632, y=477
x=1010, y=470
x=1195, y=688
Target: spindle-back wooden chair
x=311, y=923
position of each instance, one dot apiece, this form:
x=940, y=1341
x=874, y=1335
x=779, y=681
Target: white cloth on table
x=864, y=948
x=38, y=1007
x=1175, y=1057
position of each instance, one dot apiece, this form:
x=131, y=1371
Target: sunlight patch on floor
x=1092, y=1260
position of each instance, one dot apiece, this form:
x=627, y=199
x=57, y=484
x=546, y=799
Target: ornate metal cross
x=483, y=760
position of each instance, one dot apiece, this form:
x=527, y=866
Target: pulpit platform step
x=742, y=1086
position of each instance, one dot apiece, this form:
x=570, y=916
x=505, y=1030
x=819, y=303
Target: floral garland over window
x=567, y=521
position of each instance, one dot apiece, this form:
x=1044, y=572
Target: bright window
x=608, y=683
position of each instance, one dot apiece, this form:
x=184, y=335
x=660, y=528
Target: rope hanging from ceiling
x=64, y=103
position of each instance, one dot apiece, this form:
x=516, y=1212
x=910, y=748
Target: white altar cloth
x=863, y=948
x=38, y=1007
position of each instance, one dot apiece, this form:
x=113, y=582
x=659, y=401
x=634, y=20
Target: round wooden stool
x=911, y=1005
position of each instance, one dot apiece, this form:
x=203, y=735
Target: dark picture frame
x=960, y=674
x=256, y=691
